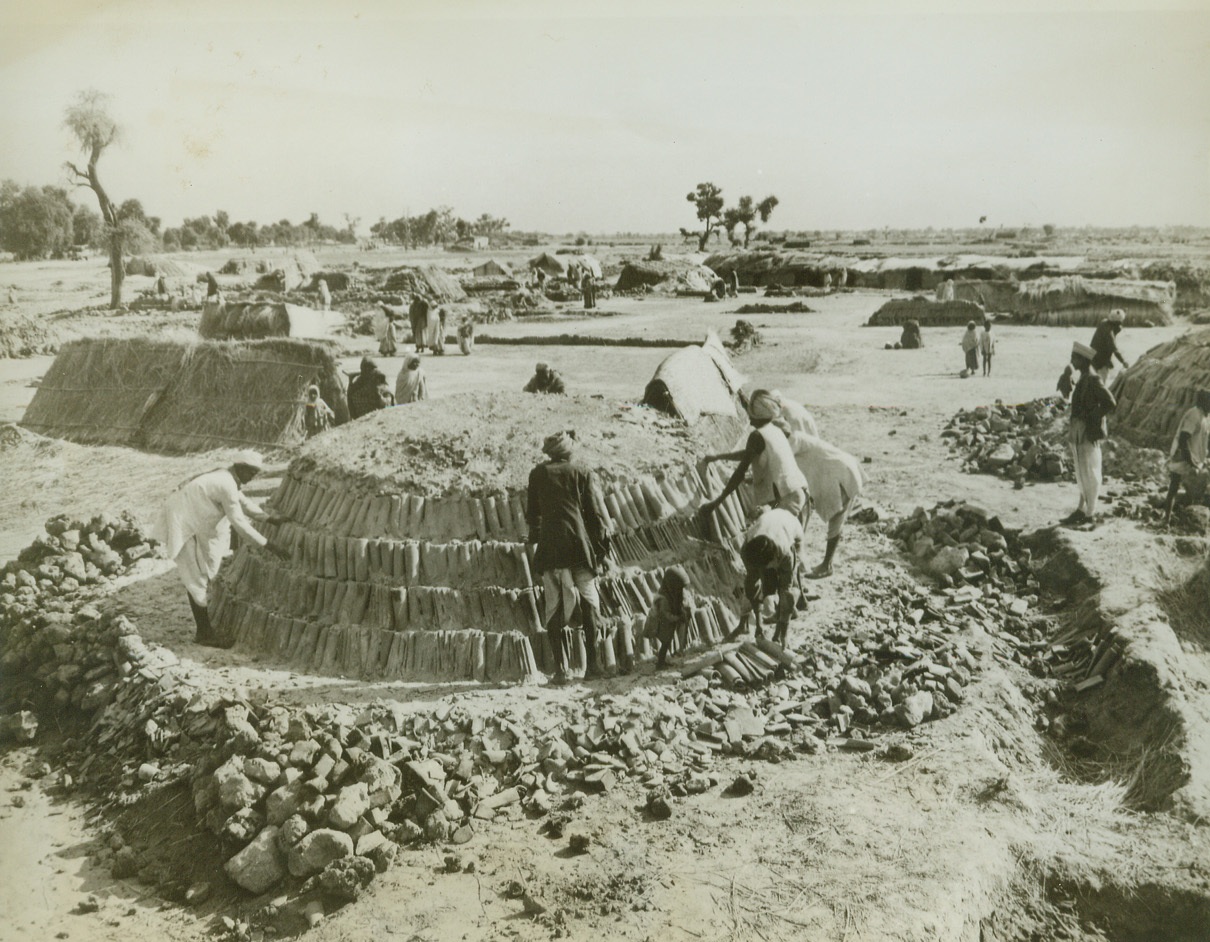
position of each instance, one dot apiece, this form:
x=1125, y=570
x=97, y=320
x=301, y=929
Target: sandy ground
x=814, y=853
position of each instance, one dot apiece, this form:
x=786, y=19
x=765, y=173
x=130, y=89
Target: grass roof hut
x=407, y=535
x=1077, y=301
x=926, y=312
x=172, y=396
x=434, y=283
x=256, y=320
x=668, y=276
x=1154, y=393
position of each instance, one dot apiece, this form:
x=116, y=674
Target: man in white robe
x=195, y=529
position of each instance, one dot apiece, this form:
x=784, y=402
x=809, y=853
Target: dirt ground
x=977, y=836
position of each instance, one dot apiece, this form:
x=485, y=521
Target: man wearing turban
x=195, y=530
x=570, y=526
x=1091, y=402
x=777, y=480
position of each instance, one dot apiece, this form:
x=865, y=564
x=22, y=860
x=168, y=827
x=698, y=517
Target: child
x=670, y=614
x=317, y=415
x=970, y=347
x=987, y=347
x=466, y=337
x=1065, y=384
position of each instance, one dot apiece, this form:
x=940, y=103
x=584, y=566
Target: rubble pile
x=55, y=650
x=1016, y=442
x=988, y=577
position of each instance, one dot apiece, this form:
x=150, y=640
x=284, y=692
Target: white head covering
x=253, y=459
x=1117, y=315
x=1083, y=350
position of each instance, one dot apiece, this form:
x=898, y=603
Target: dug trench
x=938, y=761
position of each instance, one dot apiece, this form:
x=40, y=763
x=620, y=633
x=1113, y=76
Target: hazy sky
x=600, y=116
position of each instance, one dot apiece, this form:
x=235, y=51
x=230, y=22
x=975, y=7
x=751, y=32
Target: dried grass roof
x=478, y=444
x=673, y=274
x=433, y=283
x=256, y=320
x=927, y=312
x=172, y=396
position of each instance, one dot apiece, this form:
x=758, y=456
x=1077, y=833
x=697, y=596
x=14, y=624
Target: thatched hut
x=407, y=535
x=492, y=268
x=433, y=283
x=171, y=396
x=696, y=381
x=336, y=281
x=926, y=312
x=1154, y=393
x=554, y=266
x=256, y=320
x=152, y=266
x=670, y=276
x=1076, y=301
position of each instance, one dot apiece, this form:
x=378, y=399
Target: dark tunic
x=1090, y=403
x=368, y=392
x=551, y=383
x=1105, y=343
x=418, y=318
x=566, y=516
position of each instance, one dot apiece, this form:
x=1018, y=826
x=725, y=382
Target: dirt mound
x=927, y=312
x=487, y=444
x=24, y=336
x=256, y=320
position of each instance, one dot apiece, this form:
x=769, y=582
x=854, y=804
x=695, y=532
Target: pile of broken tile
x=1016, y=442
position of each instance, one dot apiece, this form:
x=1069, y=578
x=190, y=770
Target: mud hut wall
x=99, y=391
x=1154, y=393
x=1094, y=310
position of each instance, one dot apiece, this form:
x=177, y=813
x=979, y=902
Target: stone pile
x=1016, y=442
x=54, y=650
x=988, y=577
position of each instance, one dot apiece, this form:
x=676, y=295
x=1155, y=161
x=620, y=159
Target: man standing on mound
x=568, y=522
x=1091, y=402
x=195, y=529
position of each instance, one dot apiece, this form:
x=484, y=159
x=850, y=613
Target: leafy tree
x=35, y=221
x=87, y=228
x=95, y=130
x=708, y=199
x=1049, y=229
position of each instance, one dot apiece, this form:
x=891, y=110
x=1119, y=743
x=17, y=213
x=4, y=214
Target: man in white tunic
x=834, y=481
x=776, y=478
x=195, y=530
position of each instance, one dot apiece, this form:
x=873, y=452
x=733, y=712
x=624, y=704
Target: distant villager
x=317, y=414
x=945, y=290
x=389, y=345
x=1091, y=402
x=987, y=347
x=466, y=337
x=1065, y=383
x=411, y=385
x=325, y=296
x=545, y=380
x=970, y=347
x=842, y=278
x=1187, y=457
x=1105, y=344
x=368, y=390
x=911, y=338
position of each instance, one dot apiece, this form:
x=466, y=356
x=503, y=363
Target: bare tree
x=90, y=122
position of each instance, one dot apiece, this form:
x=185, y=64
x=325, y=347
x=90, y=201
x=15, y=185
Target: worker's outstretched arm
x=737, y=477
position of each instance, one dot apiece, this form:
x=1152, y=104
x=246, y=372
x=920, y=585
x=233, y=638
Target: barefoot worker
x=776, y=478
x=1090, y=403
x=195, y=529
x=834, y=482
x=670, y=613
x=569, y=524
x=770, y=555
x=1187, y=457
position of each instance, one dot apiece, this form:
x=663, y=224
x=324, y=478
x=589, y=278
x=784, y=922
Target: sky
x=569, y=116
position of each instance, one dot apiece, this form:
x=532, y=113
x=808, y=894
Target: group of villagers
x=1091, y=404
x=794, y=473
